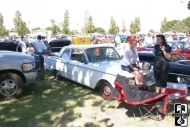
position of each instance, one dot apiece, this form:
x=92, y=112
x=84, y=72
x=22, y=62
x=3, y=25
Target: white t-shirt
x=129, y=57
x=22, y=46
x=148, y=40
x=39, y=46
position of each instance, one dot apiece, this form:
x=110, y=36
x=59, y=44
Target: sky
x=37, y=13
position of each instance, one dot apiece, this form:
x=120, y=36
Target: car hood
x=16, y=55
x=184, y=62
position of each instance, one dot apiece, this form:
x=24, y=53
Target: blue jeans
x=38, y=53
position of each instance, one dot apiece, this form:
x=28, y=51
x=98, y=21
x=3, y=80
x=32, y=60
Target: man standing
x=21, y=44
x=148, y=40
x=117, y=41
x=39, y=46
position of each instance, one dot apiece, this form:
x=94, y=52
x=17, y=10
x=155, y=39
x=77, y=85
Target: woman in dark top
x=161, y=64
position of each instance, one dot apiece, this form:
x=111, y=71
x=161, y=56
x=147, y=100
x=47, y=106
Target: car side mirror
x=146, y=66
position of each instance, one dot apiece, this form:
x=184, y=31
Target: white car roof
x=84, y=47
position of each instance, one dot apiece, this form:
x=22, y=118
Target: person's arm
x=33, y=46
x=167, y=52
x=18, y=45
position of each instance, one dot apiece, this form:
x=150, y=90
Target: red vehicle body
x=181, y=47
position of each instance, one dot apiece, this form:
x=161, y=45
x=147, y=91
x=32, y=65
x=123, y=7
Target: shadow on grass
x=48, y=103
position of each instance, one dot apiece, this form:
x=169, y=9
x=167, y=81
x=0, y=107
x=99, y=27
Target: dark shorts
x=128, y=68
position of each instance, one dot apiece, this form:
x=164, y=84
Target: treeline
x=89, y=27
x=175, y=25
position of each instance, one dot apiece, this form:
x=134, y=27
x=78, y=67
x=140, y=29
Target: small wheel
x=57, y=75
x=106, y=91
x=11, y=85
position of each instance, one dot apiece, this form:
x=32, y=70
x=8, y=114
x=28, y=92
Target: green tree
x=65, y=24
x=186, y=21
x=170, y=24
x=118, y=29
x=163, y=27
x=90, y=26
x=151, y=31
x=20, y=26
x=3, y=30
x=54, y=28
x=100, y=30
x=180, y=27
x=123, y=26
x=86, y=18
x=48, y=28
x=1, y=20
x=188, y=5
x=37, y=28
x=135, y=25
x=113, y=27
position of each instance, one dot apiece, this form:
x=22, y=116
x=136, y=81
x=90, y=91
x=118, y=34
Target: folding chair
x=174, y=98
x=142, y=100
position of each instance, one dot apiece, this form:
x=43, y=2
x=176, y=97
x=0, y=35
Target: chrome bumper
x=31, y=77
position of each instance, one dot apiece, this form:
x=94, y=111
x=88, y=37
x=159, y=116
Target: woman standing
x=161, y=64
x=130, y=61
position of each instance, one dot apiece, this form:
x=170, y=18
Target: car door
x=63, y=67
x=75, y=65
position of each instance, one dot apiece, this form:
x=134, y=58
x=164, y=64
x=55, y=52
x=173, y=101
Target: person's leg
x=157, y=78
x=136, y=74
x=165, y=71
x=141, y=81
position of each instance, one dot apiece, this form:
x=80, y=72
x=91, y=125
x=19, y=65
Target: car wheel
x=183, y=79
x=106, y=91
x=57, y=75
x=11, y=85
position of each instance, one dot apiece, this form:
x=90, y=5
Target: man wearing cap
x=21, y=44
x=39, y=46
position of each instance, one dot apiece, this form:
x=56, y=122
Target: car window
x=100, y=54
x=66, y=54
x=78, y=55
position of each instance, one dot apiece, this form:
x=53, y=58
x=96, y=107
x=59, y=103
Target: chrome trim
x=180, y=74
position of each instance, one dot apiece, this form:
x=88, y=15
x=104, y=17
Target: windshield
x=178, y=45
x=100, y=54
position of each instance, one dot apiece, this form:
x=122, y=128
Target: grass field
x=65, y=103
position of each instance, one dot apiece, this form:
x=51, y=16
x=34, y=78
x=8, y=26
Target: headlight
x=28, y=67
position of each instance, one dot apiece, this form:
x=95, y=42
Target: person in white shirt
x=39, y=46
x=22, y=45
x=148, y=40
x=130, y=61
x=117, y=41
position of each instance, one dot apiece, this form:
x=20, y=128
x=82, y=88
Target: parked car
x=95, y=66
x=177, y=46
x=179, y=66
x=181, y=47
x=16, y=71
